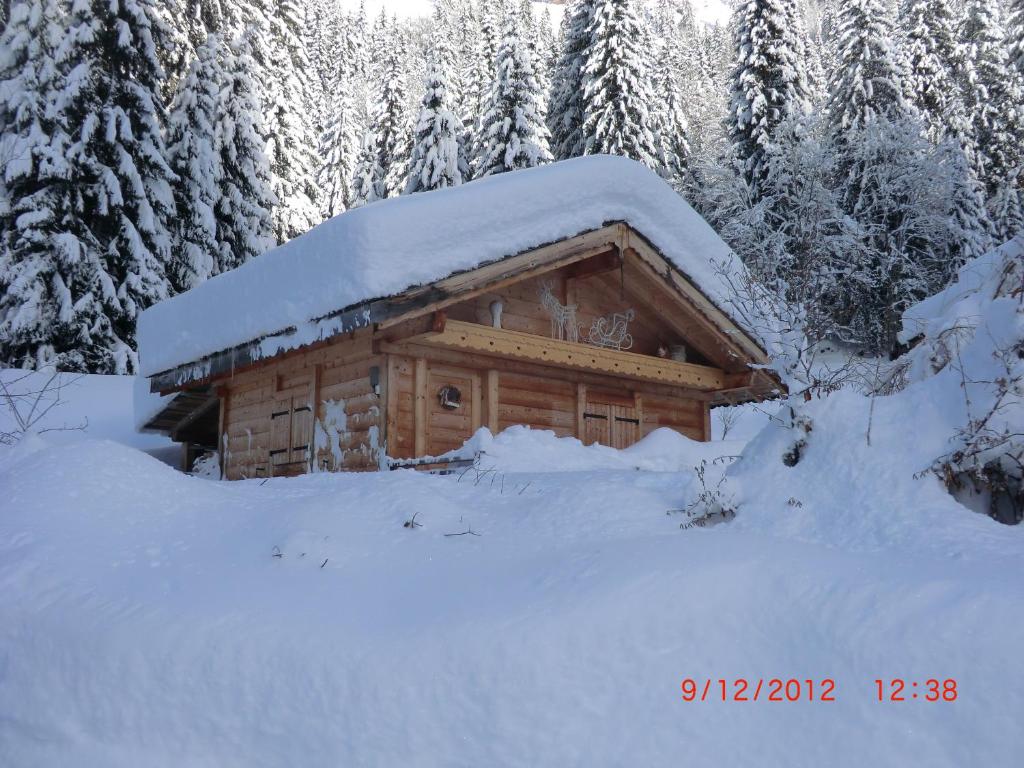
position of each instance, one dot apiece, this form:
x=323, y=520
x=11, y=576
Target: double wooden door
x=291, y=429
x=610, y=423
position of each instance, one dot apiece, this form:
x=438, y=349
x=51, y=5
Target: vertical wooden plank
x=280, y=432
x=639, y=406
x=420, y=403
x=707, y=420
x=301, y=443
x=389, y=404
x=624, y=429
x=581, y=406
x=476, y=415
x=597, y=427
x=222, y=428
x=492, y=400
x=317, y=371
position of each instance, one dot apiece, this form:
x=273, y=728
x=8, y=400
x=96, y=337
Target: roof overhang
x=738, y=351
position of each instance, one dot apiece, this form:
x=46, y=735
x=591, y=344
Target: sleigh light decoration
x=612, y=331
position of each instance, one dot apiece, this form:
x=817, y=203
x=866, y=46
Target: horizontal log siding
x=540, y=403
x=339, y=372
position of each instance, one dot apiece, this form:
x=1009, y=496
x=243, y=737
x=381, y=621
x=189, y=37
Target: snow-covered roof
x=388, y=247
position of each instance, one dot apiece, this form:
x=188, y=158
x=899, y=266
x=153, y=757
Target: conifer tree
x=672, y=137
x=969, y=224
x=438, y=159
x=245, y=209
x=193, y=156
x=366, y=179
x=931, y=85
x=512, y=127
x=338, y=152
x=391, y=127
x=618, y=106
x=1015, y=35
x=565, y=109
x=37, y=280
x=868, y=81
x=994, y=93
x=476, y=82
x=290, y=106
x=93, y=236
x=491, y=15
x=769, y=82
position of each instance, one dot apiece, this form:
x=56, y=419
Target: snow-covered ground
x=148, y=618
x=83, y=409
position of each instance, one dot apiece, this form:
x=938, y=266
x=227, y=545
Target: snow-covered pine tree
x=905, y=243
x=1015, y=34
x=177, y=30
x=513, y=133
x=565, y=107
x=930, y=51
x=994, y=95
x=93, y=236
x=380, y=43
x=355, y=42
x=338, y=148
x=438, y=158
x=618, y=107
x=446, y=54
x=323, y=36
x=969, y=224
x=391, y=126
x=491, y=15
x=933, y=88
x=868, y=79
x=672, y=133
x=50, y=299
x=193, y=156
x=245, y=225
x=769, y=82
x=366, y=179
x=289, y=106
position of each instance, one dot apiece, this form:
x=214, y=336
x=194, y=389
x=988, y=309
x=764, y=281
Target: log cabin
x=584, y=297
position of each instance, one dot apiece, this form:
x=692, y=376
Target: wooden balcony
x=499, y=342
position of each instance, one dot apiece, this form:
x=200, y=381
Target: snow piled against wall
x=387, y=247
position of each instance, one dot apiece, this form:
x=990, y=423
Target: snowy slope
x=101, y=405
x=144, y=620
x=384, y=248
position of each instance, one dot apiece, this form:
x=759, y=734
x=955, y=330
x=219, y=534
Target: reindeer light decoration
x=563, y=316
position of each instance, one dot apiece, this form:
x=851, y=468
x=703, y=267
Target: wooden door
x=291, y=431
x=625, y=426
x=611, y=423
x=597, y=423
x=447, y=428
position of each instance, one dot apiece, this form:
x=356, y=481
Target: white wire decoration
x=563, y=316
x=612, y=331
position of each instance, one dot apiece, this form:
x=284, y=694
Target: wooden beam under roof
x=500, y=342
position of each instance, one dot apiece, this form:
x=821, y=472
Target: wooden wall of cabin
x=316, y=410
x=502, y=393
x=594, y=294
